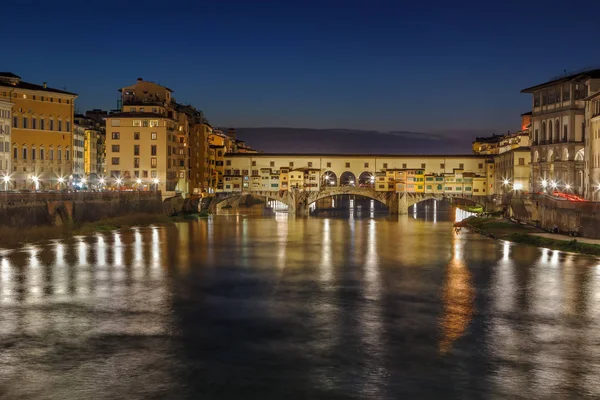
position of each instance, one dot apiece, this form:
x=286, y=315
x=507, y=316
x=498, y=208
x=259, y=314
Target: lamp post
x=61, y=180
x=101, y=182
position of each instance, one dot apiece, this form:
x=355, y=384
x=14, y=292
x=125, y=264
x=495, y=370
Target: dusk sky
x=372, y=65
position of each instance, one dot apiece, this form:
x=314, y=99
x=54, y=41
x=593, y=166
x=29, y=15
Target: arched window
x=557, y=131
x=543, y=131
x=549, y=131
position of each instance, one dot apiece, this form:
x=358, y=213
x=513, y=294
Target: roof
x=527, y=113
x=593, y=73
x=593, y=96
x=29, y=86
x=138, y=115
x=264, y=155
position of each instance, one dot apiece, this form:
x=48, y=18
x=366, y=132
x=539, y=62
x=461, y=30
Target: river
x=346, y=307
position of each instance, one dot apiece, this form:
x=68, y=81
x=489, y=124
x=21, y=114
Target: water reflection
x=298, y=308
x=457, y=298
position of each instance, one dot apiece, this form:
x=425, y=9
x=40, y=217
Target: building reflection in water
x=457, y=298
x=326, y=264
x=282, y=220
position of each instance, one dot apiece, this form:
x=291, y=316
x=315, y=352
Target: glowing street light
x=518, y=186
x=138, y=181
x=554, y=185
x=505, y=182
x=119, y=181
x=6, y=180
x=568, y=187
x=101, y=181
x=36, y=182
x=544, y=183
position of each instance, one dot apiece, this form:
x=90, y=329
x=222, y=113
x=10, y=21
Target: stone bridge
x=299, y=201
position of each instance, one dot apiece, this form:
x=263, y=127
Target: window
x=60, y=100
x=132, y=109
x=136, y=174
x=33, y=123
x=347, y=165
x=254, y=163
x=228, y=162
x=521, y=161
x=24, y=154
x=145, y=123
x=385, y=165
x=442, y=165
x=116, y=148
x=59, y=154
x=153, y=163
x=51, y=154
x=404, y=165
x=115, y=122
x=271, y=163
x=153, y=135
x=33, y=154
x=136, y=149
x=461, y=166
x=60, y=125
x=291, y=163
x=153, y=122
x=115, y=161
x=310, y=164
x=136, y=136
x=41, y=154
x=153, y=150
x=136, y=163
x=423, y=165
x=328, y=165
x=15, y=122
x=116, y=135
x=42, y=124
x=137, y=122
x=67, y=155
x=245, y=172
x=68, y=126
x=24, y=122
x=144, y=174
x=154, y=110
x=15, y=153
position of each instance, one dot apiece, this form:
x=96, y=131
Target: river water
x=346, y=307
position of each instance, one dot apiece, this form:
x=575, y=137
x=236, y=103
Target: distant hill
x=304, y=140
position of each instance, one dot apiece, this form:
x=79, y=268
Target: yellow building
x=42, y=132
x=149, y=145
x=5, y=140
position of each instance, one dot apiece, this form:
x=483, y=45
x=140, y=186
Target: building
x=513, y=171
x=5, y=140
x=455, y=174
x=498, y=144
x=42, y=132
x=592, y=145
x=94, y=148
x=78, y=151
x=145, y=141
x=558, y=131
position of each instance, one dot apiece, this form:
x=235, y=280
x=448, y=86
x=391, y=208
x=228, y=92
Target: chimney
x=140, y=80
x=45, y=85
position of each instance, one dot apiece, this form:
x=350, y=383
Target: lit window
x=115, y=161
x=153, y=122
x=153, y=135
x=137, y=122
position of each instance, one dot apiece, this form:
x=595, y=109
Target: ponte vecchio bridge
x=397, y=181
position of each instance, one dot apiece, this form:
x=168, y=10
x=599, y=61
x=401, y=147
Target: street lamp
x=518, y=186
x=568, y=187
x=6, y=180
x=554, y=185
x=544, y=184
x=36, y=182
x=119, y=181
x=156, y=181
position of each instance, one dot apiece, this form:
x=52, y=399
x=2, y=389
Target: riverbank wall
x=29, y=210
x=568, y=216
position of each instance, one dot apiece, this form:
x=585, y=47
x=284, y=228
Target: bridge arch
x=347, y=179
x=385, y=198
x=366, y=178
x=329, y=178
